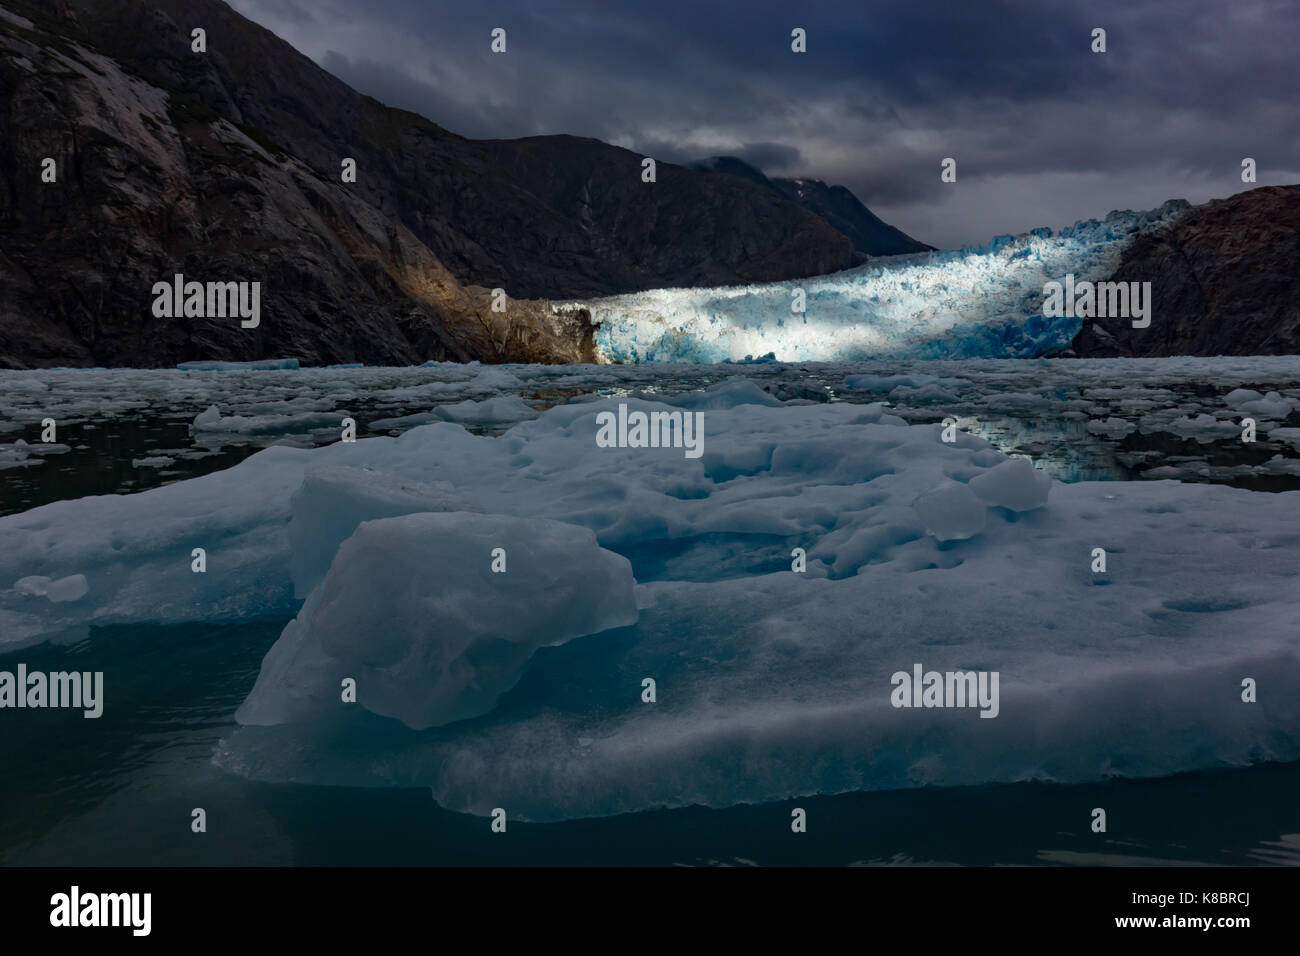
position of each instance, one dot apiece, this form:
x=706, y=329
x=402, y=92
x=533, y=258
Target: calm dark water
x=120, y=790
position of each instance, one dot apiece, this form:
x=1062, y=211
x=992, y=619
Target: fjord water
x=120, y=789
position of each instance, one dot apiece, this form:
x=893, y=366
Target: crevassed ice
x=983, y=302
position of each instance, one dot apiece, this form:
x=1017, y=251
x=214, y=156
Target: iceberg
x=769, y=589
x=777, y=684
x=210, y=420
x=435, y=615
x=334, y=499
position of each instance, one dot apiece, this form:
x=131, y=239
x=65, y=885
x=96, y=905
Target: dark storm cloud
x=770, y=157
x=1044, y=131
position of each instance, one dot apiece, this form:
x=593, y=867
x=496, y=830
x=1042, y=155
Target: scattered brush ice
x=1273, y=405
x=403, y=422
x=1203, y=428
x=1112, y=427
x=17, y=455
x=912, y=389
x=153, y=461
x=882, y=383
x=332, y=500
x=1198, y=470
x=731, y=393
x=20, y=453
x=929, y=394
x=207, y=420
x=798, y=391
x=505, y=409
x=497, y=378
x=623, y=495
x=212, y=421
x=1289, y=435
x=975, y=303
x=412, y=610
x=1241, y=396
x=257, y=366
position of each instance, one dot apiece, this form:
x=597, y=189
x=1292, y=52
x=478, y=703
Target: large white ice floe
x=435, y=615
x=333, y=499
x=982, y=302
x=769, y=683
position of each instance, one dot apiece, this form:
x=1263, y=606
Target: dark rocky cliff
x=870, y=235
x=1225, y=280
x=225, y=166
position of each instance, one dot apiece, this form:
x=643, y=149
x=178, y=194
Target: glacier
x=976, y=302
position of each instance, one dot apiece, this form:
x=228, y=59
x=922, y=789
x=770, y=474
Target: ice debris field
x=977, y=302
x=523, y=688
x=1077, y=419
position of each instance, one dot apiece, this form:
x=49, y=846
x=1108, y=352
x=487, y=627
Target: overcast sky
x=1044, y=131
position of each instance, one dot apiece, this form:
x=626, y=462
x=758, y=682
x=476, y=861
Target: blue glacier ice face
x=976, y=302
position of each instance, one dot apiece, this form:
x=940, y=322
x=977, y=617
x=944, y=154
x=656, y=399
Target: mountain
x=686, y=229
x=225, y=165
x=870, y=235
x=1225, y=280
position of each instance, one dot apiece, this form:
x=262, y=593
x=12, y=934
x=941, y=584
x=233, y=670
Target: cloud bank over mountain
x=885, y=91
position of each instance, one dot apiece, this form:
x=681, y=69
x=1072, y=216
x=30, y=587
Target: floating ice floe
x=505, y=409
x=1289, y=435
x=71, y=588
x=1249, y=402
x=429, y=634
x=1202, y=428
x=212, y=421
x=17, y=455
x=1111, y=427
x=769, y=682
x=255, y=366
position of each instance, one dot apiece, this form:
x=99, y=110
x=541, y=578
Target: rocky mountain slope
x=225, y=165
x=1225, y=280
x=148, y=183
x=870, y=235
x=686, y=229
